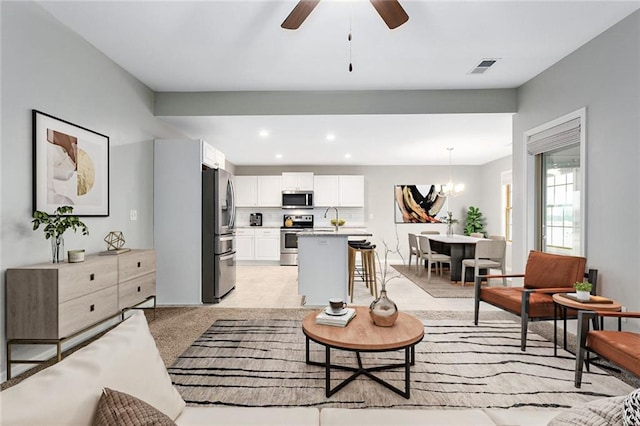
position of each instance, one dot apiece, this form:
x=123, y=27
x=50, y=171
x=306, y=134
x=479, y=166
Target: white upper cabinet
x=298, y=181
x=211, y=157
x=351, y=191
x=246, y=191
x=258, y=191
x=326, y=191
x=269, y=191
x=339, y=191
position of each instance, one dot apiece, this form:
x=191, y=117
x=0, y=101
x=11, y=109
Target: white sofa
x=126, y=359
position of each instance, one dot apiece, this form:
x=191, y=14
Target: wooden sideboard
x=50, y=302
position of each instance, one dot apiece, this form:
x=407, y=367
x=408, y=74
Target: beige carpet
x=258, y=360
x=439, y=286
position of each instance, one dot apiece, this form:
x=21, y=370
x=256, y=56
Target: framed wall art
x=70, y=167
x=418, y=203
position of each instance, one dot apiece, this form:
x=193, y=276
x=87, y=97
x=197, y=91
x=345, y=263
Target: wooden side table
x=560, y=300
x=361, y=335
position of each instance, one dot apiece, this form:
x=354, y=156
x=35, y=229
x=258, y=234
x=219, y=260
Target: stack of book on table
x=336, y=319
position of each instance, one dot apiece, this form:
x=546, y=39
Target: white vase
x=583, y=295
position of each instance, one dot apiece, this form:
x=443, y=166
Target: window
x=508, y=213
x=555, y=184
x=561, y=201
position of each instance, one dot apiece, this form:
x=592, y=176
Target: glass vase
x=383, y=310
x=57, y=249
x=449, y=230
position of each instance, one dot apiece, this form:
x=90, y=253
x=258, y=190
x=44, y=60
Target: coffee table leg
x=327, y=378
x=564, y=328
x=407, y=370
x=413, y=355
x=307, y=350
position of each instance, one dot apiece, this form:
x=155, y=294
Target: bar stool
x=368, y=270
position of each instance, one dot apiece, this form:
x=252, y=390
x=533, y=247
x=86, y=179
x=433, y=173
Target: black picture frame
x=70, y=167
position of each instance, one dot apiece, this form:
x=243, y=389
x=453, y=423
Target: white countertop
x=353, y=232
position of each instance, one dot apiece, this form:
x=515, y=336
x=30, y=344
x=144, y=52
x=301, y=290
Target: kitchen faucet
x=336, y=209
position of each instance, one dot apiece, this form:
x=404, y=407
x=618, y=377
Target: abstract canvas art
x=71, y=167
x=418, y=203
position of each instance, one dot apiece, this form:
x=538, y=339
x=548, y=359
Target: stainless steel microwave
x=297, y=199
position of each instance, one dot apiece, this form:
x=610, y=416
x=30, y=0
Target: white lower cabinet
x=267, y=244
x=245, y=244
x=258, y=244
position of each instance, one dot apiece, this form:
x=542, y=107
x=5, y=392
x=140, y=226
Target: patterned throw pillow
x=121, y=409
x=600, y=412
x=631, y=414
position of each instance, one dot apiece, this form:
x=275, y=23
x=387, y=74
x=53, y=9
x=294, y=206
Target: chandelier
x=450, y=189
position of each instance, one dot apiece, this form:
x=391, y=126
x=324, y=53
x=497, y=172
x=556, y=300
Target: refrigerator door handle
x=229, y=238
x=232, y=202
x=228, y=256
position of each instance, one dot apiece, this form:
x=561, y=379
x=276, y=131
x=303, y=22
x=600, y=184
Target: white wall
x=379, y=197
x=604, y=77
x=47, y=67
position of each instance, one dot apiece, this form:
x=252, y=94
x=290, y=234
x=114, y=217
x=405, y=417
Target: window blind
x=560, y=136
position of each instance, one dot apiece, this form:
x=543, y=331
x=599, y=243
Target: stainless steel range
x=291, y=226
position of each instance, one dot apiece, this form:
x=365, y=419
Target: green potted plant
x=583, y=290
x=474, y=221
x=55, y=225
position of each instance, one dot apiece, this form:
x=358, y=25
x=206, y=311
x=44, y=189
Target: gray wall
x=379, y=199
x=48, y=68
x=604, y=77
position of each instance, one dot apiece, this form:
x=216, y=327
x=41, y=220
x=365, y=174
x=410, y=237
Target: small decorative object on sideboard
x=583, y=290
x=115, y=243
x=55, y=225
x=75, y=256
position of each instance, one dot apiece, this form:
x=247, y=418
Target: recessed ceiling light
x=263, y=133
x=278, y=155
x=331, y=137
x=347, y=155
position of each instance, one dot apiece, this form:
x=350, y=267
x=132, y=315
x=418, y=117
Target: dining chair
x=431, y=258
x=489, y=254
x=414, y=250
x=430, y=233
x=497, y=237
x=477, y=235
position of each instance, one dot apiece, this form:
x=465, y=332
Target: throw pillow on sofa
x=121, y=409
x=631, y=413
x=600, y=412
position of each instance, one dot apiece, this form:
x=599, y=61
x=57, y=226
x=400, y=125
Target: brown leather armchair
x=622, y=348
x=545, y=274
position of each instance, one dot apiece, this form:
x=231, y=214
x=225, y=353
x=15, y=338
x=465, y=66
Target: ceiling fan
x=390, y=11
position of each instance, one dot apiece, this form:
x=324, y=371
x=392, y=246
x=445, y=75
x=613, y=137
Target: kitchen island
x=323, y=264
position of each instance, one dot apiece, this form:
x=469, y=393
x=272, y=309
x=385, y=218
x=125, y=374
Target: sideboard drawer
x=77, y=279
x=78, y=313
x=136, y=263
x=137, y=290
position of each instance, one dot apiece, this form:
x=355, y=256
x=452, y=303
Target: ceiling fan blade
x=299, y=14
x=391, y=12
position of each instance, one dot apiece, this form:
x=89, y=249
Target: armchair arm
x=551, y=290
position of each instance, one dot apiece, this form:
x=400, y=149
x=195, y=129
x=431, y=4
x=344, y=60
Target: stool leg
x=374, y=280
x=352, y=270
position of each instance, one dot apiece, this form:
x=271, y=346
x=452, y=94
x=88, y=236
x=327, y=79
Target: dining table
x=459, y=247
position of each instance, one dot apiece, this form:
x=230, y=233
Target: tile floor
x=277, y=287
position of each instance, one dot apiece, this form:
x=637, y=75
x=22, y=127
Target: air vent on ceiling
x=483, y=66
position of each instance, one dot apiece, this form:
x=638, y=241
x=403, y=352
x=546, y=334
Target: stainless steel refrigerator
x=218, y=235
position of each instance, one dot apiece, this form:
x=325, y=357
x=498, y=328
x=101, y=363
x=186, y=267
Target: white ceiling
x=239, y=45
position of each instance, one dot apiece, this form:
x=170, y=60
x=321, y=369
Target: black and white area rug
x=261, y=363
